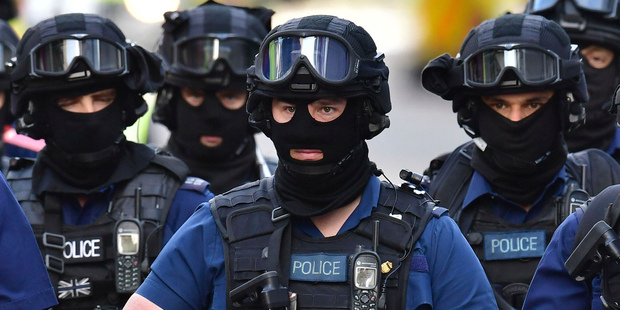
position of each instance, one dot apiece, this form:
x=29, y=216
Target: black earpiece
x=466, y=119
x=259, y=118
x=575, y=113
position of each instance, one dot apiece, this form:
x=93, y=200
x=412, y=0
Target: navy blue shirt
x=190, y=274
x=615, y=143
x=506, y=209
x=24, y=281
x=552, y=287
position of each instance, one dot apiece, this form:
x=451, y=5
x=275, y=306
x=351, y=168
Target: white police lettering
x=317, y=267
x=514, y=244
x=82, y=248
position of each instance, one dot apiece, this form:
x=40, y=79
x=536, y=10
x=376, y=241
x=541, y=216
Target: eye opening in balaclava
x=211, y=122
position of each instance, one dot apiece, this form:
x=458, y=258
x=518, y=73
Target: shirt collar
x=368, y=203
x=479, y=186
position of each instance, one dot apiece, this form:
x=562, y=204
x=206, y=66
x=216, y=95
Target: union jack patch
x=74, y=288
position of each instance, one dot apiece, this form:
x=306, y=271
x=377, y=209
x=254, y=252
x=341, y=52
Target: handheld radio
x=366, y=276
x=128, y=244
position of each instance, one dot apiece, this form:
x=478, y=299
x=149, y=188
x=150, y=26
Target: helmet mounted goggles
x=198, y=55
x=532, y=65
x=56, y=57
x=329, y=58
x=606, y=7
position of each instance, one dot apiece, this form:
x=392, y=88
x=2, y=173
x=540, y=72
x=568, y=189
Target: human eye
x=498, y=105
x=327, y=110
x=66, y=103
x=232, y=100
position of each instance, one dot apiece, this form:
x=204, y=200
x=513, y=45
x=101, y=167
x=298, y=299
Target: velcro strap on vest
x=393, y=232
x=257, y=217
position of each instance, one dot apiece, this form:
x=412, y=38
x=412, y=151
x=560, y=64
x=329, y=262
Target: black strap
x=277, y=253
x=53, y=240
x=450, y=184
x=466, y=219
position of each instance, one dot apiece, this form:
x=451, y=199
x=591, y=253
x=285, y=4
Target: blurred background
x=409, y=32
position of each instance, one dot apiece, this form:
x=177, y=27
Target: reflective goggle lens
x=328, y=57
x=541, y=5
x=533, y=66
x=603, y=6
x=198, y=55
x=56, y=57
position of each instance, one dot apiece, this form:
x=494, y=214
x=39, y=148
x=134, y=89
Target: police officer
x=595, y=27
x=516, y=85
x=318, y=89
x=100, y=206
x=590, y=278
x=24, y=283
x=207, y=51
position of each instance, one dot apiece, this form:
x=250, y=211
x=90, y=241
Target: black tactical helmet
x=76, y=53
x=510, y=54
x=316, y=57
x=208, y=47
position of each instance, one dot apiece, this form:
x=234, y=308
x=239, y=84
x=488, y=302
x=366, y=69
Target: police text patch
x=319, y=267
x=514, y=244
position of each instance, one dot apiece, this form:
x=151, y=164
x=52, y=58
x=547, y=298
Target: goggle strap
x=570, y=69
x=371, y=69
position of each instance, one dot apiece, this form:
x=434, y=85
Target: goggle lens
x=56, y=57
x=328, y=57
x=487, y=68
x=199, y=54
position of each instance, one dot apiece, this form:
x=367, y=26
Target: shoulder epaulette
x=195, y=184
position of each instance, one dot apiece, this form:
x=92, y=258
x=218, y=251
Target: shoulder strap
x=594, y=170
x=450, y=185
x=406, y=213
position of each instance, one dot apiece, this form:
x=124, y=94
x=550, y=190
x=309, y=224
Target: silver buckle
x=49, y=242
x=51, y=258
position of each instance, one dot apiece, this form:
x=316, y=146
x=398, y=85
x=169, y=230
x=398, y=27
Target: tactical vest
x=81, y=259
x=509, y=253
x=258, y=237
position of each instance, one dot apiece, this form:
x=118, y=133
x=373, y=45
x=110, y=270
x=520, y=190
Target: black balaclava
x=83, y=148
x=600, y=127
x=210, y=118
x=315, y=188
x=226, y=165
x=522, y=157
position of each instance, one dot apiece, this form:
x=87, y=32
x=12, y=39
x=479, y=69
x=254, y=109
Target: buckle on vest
x=54, y=263
x=54, y=241
x=278, y=214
